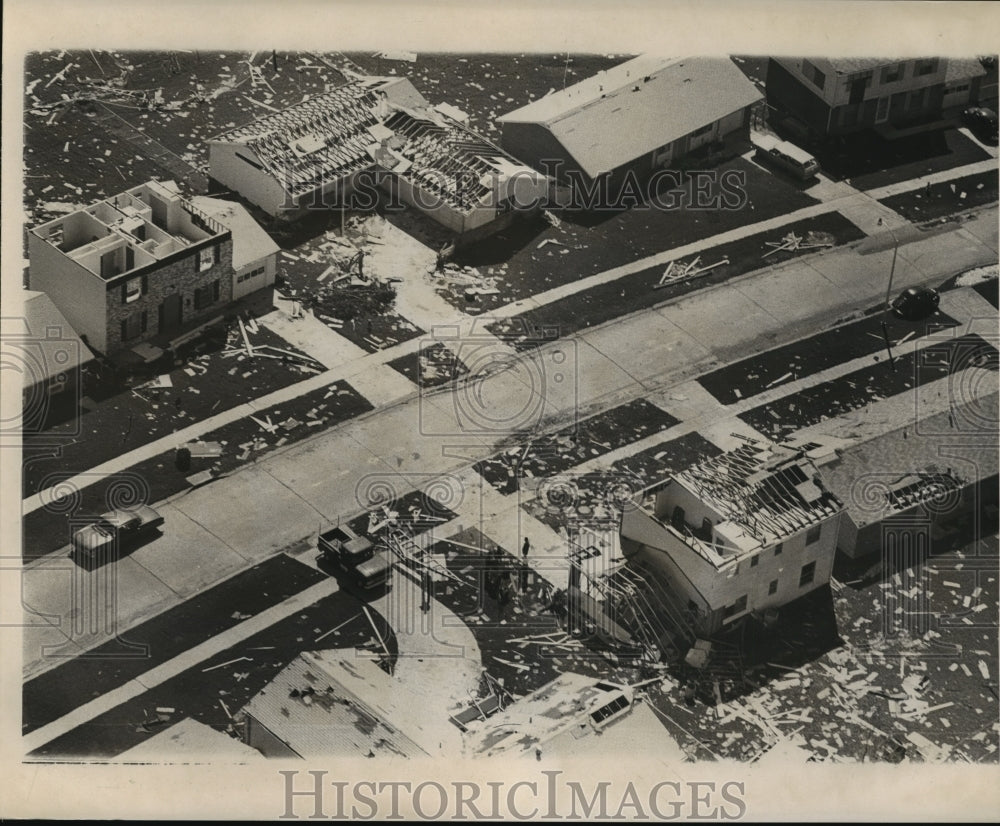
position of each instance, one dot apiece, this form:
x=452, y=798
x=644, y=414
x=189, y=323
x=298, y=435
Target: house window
x=206, y=258
x=815, y=75
x=916, y=102
x=812, y=535
x=772, y=588
x=754, y=561
x=926, y=67
x=248, y=275
x=206, y=296
x=677, y=519
x=807, y=575
x=882, y=110
x=704, y=130
x=890, y=74
x=133, y=289
x=134, y=326
x=779, y=548
x=737, y=607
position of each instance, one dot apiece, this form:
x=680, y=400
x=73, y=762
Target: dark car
x=115, y=530
x=982, y=123
x=915, y=303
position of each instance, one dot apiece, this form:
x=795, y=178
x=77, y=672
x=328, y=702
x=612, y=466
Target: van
x=785, y=156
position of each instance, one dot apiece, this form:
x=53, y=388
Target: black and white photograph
x=470, y=412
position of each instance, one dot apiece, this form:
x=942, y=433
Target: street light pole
x=888, y=298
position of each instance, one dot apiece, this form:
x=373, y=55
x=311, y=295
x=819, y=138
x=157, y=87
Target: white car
x=786, y=156
x=116, y=529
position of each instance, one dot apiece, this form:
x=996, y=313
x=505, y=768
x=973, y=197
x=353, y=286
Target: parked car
x=915, y=303
x=785, y=156
x=115, y=531
x=982, y=122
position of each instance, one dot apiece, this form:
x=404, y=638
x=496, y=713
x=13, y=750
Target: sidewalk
x=365, y=368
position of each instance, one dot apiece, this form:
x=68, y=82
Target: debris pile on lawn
x=792, y=242
x=240, y=344
x=468, y=282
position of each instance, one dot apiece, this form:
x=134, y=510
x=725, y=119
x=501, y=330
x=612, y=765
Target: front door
x=170, y=313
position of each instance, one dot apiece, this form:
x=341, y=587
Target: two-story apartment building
x=833, y=97
x=746, y=531
x=144, y=263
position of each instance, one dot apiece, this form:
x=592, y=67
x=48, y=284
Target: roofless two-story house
x=744, y=532
x=147, y=262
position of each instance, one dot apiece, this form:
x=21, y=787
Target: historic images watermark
x=316, y=794
x=662, y=189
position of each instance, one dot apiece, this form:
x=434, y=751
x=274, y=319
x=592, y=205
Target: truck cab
x=354, y=557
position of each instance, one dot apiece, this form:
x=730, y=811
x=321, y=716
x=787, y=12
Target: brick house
x=143, y=264
x=834, y=97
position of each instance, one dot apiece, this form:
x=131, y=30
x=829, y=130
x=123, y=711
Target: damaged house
x=147, y=263
x=744, y=532
x=339, y=147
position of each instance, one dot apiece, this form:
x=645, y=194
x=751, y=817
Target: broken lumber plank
x=337, y=628
x=371, y=622
x=246, y=339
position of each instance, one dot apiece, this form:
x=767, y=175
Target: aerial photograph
x=396, y=405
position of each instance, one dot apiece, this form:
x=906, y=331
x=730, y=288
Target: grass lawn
x=533, y=256
x=215, y=376
x=943, y=199
x=637, y=291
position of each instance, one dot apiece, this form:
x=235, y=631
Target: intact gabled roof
x=250, y=242
x=641, y=105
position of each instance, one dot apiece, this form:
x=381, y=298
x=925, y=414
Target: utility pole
x=565, y=69
x=888, y=298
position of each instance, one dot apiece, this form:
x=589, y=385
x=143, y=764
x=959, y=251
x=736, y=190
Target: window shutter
x=145, y=284
x=124, y=331
x=144, y=322
x=125, y=293
x=215, y=290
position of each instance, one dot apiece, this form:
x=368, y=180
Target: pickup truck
x=354, y=557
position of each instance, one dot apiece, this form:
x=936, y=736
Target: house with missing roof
x=892, y=96
x=741, y=533
x=372, y=134
x=147, y=263
x=645, y=114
